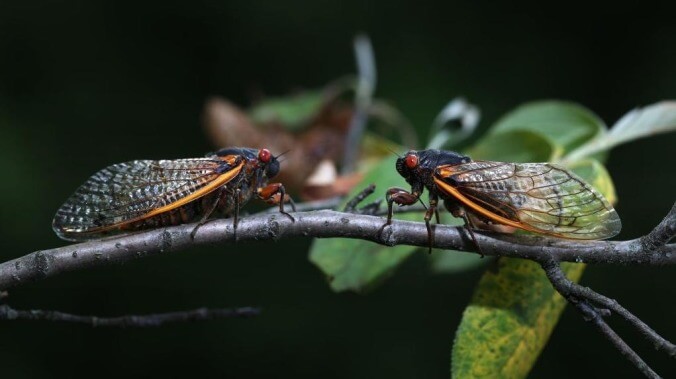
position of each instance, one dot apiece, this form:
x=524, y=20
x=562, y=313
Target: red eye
x=411, y=161
x=264, y=155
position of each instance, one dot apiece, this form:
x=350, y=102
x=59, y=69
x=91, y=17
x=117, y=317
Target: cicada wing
x=127, y=192
x=539, y=197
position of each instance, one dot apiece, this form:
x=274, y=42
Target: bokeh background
x=84, y=84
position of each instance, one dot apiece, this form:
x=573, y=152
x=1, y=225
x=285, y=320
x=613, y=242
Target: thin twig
x=580, y=296
x=313, y=205
x=352, y=204
x=372, y=208
x=663, y=232
x=657, y=341
x=592, y=315
x=417, y=207
x=140, y=321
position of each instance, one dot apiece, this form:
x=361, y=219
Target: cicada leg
x=399, y=196
x=403, y=197
x=458, y=211
x=274, y=193
x=235, y=220
x=208, y=213
x=432, y=210
x=469, y=226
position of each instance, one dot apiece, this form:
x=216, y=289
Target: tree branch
x=326, y=224
x=150, y=320
x=663, y=232
x=581, y=297
x=658, y=342
x=592, y=315
x=651, y=249
x=351, y=205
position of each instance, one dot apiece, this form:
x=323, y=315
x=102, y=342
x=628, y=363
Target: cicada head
x=408, y=165
x=262, y=162
x=268, y=162
x=417, y=167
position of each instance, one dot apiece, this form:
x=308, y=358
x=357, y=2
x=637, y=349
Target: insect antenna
x=394, y=152
x=278, y=156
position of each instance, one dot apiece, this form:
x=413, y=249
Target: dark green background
x=85, y=84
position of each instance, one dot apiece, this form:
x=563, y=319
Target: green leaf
x=638, y=123
x=359, y=265
x=293, y=112
x=513, y=146
x=565, y=124
x=511, y=316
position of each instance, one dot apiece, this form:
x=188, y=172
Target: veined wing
x=127, y=192
x=538, y=197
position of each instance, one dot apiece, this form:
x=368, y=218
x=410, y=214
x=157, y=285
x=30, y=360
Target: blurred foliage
x=293, y=112
x=565, y=125
x=519, y=145
x=639, y=123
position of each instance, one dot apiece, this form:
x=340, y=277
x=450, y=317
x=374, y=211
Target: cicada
x=144, y=194
x=542, y=198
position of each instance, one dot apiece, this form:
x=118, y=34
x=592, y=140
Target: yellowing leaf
x=511, y=316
